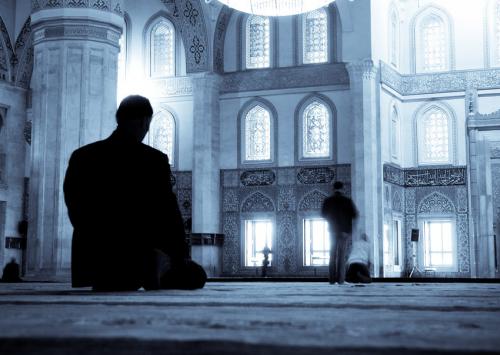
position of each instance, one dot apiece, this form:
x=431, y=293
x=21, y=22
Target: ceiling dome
x=275, y=7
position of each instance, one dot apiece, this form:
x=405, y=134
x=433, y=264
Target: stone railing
x=442, y=82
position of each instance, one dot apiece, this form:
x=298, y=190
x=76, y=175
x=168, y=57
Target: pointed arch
x=432, y=37
x=7, y=56
x=316, y=118
x=436, y=202
x=435, y=134
x=257, y=132
x=312, y=201
x=257, y=202
x=163, y=134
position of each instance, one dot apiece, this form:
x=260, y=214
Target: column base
x=206, y=249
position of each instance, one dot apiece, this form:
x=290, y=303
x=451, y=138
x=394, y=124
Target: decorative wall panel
x=182, y=186
x=284, y=194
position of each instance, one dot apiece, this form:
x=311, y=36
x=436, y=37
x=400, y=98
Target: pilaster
x=366, y=163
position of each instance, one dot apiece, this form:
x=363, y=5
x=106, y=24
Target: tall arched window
x=394, y=38
x=434, y=139
x=316, y=131
x=497, y=32
x=432, y=42
x=315, y=36
x=395, y=133
x=162, y=134
x=493, y=33
x=162, y=49
x=258, y=42
x=257, y=132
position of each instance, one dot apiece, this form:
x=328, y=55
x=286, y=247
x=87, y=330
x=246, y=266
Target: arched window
x=162, y=134
x=434, y=139
x=394, y=38
x=395, y=133
x=315, y=36
x=433, y=43
x=257, y=132
x=316, y=131
x=493, y=33
x=258, y=42
x=162, y=49
x=497, y=32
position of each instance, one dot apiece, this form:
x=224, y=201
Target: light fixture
x=275, y=7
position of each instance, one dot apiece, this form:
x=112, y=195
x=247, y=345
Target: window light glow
x=275, y=7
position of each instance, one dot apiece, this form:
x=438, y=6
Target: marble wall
x=284, y=195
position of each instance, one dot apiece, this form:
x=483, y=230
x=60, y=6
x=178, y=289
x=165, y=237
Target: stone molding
x=436, y=83
x=286, y=78
x=439, y=176
x=77, y=31
x=102, y=5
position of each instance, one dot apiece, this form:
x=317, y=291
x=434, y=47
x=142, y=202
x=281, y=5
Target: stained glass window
x=258, y=134
x=316, y=131
x=258, y=39
x=434, y=137
x=434, y=44
x=162, y=41
x=315, y=35
x=162, y=134
x=395, y=133
x=394, y=39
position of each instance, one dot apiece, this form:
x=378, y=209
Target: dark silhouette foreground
x=11, y=272
x=128, y=231
x=340, y=212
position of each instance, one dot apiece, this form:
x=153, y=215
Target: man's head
x=338, y=186
x=134, y=116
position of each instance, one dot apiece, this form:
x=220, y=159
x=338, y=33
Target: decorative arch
x=397, y=201
x=257, y=202
x=436, y=202
x=394, y=36
x=161, y=21
x=313, y=201
x=24, y=53
x=7, y=56
x=432, y=12
x=188, y=18
x=299, y=123
x=164, y=123
x=220, y=38
x=266, y=105
x=452, y=130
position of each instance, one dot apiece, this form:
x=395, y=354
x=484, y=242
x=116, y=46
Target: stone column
x=206, y=240
x=366, y=167
x=74, y=101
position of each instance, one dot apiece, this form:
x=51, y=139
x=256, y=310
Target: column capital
x=362, y=69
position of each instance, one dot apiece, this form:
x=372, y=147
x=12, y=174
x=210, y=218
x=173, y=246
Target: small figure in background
x=11, y=272
x=358, y=264
x=340, y=212
x=265, y=263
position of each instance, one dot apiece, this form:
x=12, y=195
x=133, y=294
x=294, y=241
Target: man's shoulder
x=90, y=149
x=153, y=152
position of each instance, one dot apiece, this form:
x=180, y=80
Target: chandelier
x=275, y=7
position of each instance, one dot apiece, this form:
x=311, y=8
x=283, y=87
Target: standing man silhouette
x=340, y=212
x=128, y=231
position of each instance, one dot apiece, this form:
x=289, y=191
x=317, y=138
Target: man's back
x=340, y=211
x=121, y=205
